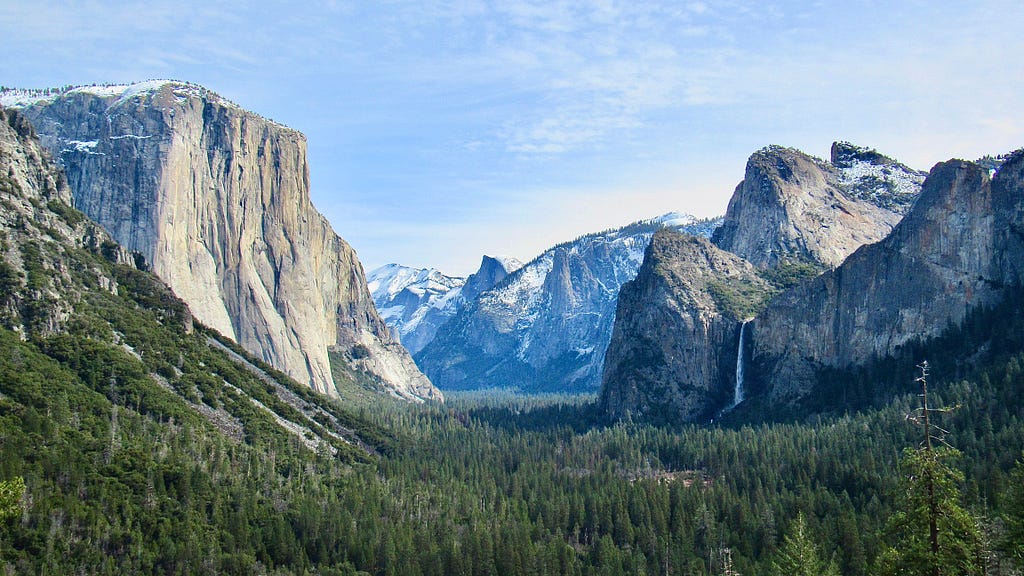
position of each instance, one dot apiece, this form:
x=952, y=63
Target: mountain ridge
x=217, y=200
x=546, y=325
x=416, y=302
x=956, y=250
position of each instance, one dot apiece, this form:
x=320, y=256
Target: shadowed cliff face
x=547, y=325
x=957, y=249
x=665, y=362
x=217, y=200
x=792, y=207
x=49, y=252
x=416, y=302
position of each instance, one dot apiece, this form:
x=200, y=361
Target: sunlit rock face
x=959, y=248
x=791, y=206
x=217, y=200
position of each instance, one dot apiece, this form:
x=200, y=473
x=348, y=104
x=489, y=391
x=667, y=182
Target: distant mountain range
x=545, y=327
x=415, y=302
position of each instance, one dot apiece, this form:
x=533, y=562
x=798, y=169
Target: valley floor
x=483, y=484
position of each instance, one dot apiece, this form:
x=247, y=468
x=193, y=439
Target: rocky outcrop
x=672, y=354
x=959, y=248
x=492, y=270
x=791, y=207
x=546, y=326
x=217, y=201
x=42, y=277
x=865, y=174
x=415, y=302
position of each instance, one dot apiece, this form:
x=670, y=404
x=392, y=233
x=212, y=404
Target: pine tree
x=798, y=555
x=934, y=535
x=1013, y=518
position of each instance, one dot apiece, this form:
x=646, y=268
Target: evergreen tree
x=934, y=534
x=1013, y=539
x=799, y=556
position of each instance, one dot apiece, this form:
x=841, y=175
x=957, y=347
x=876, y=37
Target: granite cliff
x=791, y=207
x=672, y=323
x=674, y=352
x=41, y=280
x=216, y=199
x=960, y=248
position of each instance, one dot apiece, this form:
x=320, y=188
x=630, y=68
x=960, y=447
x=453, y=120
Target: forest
x=123, y=481
x=134, y=441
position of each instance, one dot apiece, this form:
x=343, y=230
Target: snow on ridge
x=524, y=289
x=121, y=93
x=19, y=98
x=510, y=263
x=904, y=181
x=675, y=219
x=389, y=280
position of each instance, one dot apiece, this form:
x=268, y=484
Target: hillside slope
x=137, y=432
x=216, y=199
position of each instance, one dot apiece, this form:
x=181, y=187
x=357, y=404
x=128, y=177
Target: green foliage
x=11, y=493
x=1013, y=538
x=69, y=215
x=739, y=297
x=930, y=493
x=790, y=273
x=799, y=554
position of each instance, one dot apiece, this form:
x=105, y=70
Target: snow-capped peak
x=510, y=263
x=390, y=280
x=675, y=219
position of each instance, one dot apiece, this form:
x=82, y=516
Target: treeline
x=121, y=475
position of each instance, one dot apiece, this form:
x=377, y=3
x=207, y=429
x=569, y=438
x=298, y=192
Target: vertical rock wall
x=217, y=200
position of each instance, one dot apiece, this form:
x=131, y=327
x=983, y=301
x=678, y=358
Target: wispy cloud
x=427, y=117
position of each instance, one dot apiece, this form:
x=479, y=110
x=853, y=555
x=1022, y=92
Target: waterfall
x=738, y=394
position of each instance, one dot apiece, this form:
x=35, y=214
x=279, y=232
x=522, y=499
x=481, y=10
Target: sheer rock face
x=416, y=302
x=791, y=206
x=41, y=279
x=547, y=325
x=217, y=200
x=492, y=270
x=673, y=350
x=960, y=247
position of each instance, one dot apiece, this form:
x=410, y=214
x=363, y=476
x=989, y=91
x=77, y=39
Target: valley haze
x=439, y=133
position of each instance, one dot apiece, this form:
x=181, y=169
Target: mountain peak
x=216, y=198
x=792, y=206
x=866, y=174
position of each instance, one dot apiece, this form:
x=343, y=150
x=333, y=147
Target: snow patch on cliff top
x=119, y=93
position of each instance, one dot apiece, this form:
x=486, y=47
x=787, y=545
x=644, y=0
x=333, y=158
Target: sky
x=439, y=131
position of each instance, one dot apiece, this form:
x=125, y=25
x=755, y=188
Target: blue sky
x=440, y=131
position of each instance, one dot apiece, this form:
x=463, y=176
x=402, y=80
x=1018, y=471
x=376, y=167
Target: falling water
x=738, y=394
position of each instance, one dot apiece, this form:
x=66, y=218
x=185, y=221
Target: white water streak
x=738, y=393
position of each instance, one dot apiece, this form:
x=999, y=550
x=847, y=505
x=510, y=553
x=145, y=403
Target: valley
x=197, y=377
